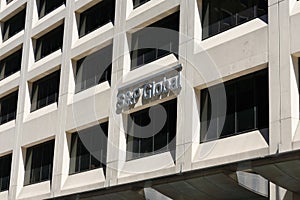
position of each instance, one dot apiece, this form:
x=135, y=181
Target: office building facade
x=149, y=99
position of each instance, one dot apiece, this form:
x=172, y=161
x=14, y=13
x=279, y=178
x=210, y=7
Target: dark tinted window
x=8, y=1
x=49, y=42
x=159, y=140
x=45, y=91
x=14, y=25
x=88, y=148
x=219, y=16
x=11, y=64
x=137, y=3
x=247, y=105
x=143, y=39
x=8, y=106
x=39, y=163
x=5, y=168
x=46, y=6
x=93, y=69
x=96, y=16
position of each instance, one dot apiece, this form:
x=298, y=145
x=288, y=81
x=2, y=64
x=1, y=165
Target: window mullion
x=139, y=149
x=235, y=108
x=255, y=102
x=1, y=175
x=41, y=149
x=90, y=153
x=79, y=153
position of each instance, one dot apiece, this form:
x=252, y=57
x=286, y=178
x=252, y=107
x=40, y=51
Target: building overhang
x=216, y=183
x=215, y=186
x=243, y=180
x=284, y=173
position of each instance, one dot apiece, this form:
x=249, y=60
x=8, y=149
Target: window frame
x=35, y=152
x=138, y=3
x=7, y=101
x=87, y=17
x=260, y=116
x=8, y=1
x=77, y=148
x=42, y=8
x=6, y=159
x=17, y=20
x=41, y=51
x=235, y=17
x=169, y=126
x=36, y=91
x=7, y=63
x=85, y=64
x=139, y=52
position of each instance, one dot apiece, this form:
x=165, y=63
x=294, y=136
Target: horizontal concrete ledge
x=216, y=175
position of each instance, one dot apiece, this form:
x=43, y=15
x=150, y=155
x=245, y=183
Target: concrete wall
x=241, y=50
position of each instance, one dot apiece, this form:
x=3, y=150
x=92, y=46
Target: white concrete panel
x=154, y=67
x=295, y=29
x=9, y=84
x=246, y=146
x=7, y=134
x=12, y=43
x=90, y=180
x=41, y=190
x=4, y=195
x=241, y=50
x=51, y=18
x=44, y=66
x=93, y=41
x=82, y=5
x=89, y=106
x=11, y=9
x=236, y=50
x=32, y=129
x=143, y=15
x=296, y=138
x=49, y=22
x=157, y=165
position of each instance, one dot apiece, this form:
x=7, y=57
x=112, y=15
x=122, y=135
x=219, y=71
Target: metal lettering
x=166, y=85
x=147, y=94
x=148, y=91
x=121, y=101
x=136, y=95
x=158, y=89
x=129, y=98
x=173, y=83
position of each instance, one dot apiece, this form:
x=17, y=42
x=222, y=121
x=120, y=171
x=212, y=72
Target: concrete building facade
x=222, y=79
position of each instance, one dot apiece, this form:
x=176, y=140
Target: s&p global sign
x=149, y=89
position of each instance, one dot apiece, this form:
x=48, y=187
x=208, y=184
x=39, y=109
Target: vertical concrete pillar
x=274, y=77
x=188, y=126
x=278, y=193
x=17, y=167
x=289, y=88
x=116, y=146
x=61, y=153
